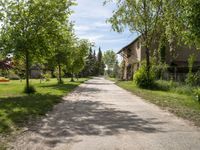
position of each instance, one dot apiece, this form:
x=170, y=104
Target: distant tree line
x=94, y=65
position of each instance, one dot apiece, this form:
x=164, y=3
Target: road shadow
x=98, y=83
x=89, y=118
x=88, y=90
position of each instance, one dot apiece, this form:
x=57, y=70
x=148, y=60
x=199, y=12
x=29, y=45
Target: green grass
x=17, y=108
x=111, y=79
x=177, y=98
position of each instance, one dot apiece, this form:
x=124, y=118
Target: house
x=6, y=64
x=134, y=53
x=36, y=71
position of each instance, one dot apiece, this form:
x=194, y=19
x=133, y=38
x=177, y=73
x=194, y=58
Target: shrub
x=198, y=78
x=29, y=90
x=159, y=69
x=47, y=76
x=141, y=78
x=162, y=85
x=193, y=79
x=183, y=89
x=197, y=94
x=13, y=77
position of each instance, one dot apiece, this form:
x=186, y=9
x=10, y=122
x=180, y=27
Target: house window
x=128, y=53
x=138, y=45
x=138, y=66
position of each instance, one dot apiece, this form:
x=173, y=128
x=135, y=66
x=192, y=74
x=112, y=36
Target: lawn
x=17, y=108
x=177, y=100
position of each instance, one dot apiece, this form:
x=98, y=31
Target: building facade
x=134, y=53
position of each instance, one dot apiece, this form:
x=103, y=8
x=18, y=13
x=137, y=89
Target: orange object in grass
x=2, y=79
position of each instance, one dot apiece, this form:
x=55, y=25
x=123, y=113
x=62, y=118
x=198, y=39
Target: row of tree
x=40, y=31
x=169, y=22
x=94, y=64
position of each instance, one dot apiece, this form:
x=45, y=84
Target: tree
x=122, y=67
x=139, y=16
x=110, y=59
x=32, y=26
x=183, y=21
x=95, y=64
x=77, y=59
x=179, y=23
x=90, y=64
x=116, y=70
x=100, y=63
x=194, y=20
x=63, y=46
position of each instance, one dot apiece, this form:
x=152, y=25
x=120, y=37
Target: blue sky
x=90, y=23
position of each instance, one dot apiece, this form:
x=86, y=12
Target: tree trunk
x=59, y=74
x=77, y=77
x=72, y=77
x=27, y=69
x=148, y=61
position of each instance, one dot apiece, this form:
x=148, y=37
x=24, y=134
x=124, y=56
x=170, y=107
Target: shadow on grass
x=63, y=87
x=60, y=87
x=17, y=111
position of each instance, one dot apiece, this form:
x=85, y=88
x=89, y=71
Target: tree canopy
x=172, y=22
x=40, y=31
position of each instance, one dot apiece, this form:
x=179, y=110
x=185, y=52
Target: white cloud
x=113, y=41
x=90, y=23
x=92, y=37
x=92, y=9
x=101, y=24
x=82, y=28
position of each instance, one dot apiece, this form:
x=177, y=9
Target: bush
x=47, y=76
x=197, y=78
x=13, y=76
x=193, y=79
x=162, y=85
x=197, y=94
x=183, y=89
x=141, y=78
x=29, y=90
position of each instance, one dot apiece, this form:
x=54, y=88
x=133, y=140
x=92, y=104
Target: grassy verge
x=177, y=100
x=18, y=109
x=111, y=79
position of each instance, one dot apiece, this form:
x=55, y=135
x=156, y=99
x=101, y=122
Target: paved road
x=99, y=115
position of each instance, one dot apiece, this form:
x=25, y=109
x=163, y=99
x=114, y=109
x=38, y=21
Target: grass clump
x=174, y=87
